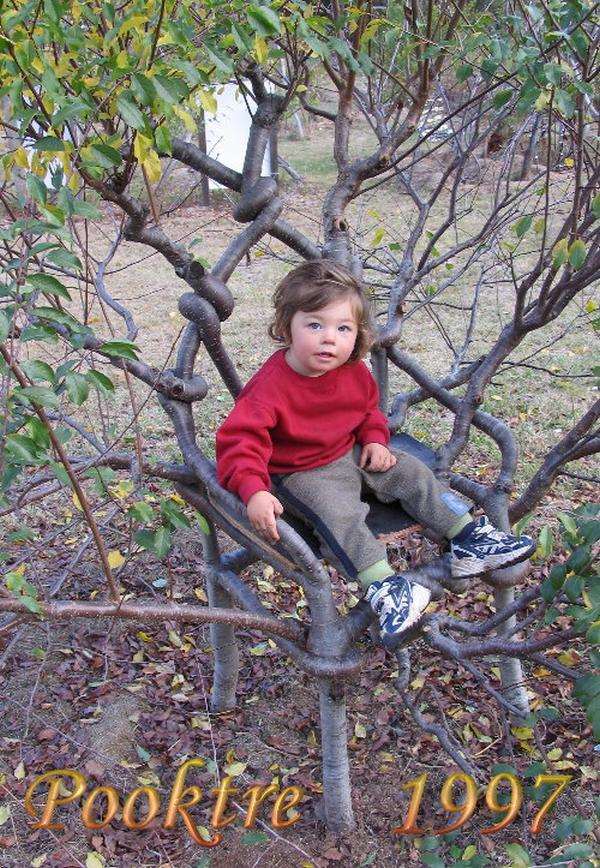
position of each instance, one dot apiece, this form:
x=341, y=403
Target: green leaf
x=158, y=542
x=203, y=524
x=31, y=604
x=577, y=254
x=162, y=139
x=432, y=860
x=564, y=102
x=162, y=541
x=593, y=634
x=174, y=514
x=49, y=143
x=39, y=395
x=4, y=326
x=47, y=283
x=105, y=156
x=522, y=225
x=21, y=448
x=101, y=381
x=85, y=209
x=567, y=522
x=221, y=60
x=38, y=370
x=254, y=837
x=142, y=511
x=545, y=543
x=143, y=89
x=120, y=349
x=130, y=112
x=519, y=858
x=64, y=259
x=78, y=388
x=596, y=206
x=59, y=316
x=263, y=19
x=464, y=72
x=501, y=98
x=36, y=189
x=560, y=254
x=170, y=90
x=143, y=754
x=241, y=38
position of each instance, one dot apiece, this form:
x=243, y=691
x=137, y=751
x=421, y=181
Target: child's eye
x=313, y=325
x=346, y=328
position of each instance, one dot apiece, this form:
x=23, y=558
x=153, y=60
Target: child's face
x=322, y=340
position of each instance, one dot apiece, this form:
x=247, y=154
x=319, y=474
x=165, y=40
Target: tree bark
x=225, y=649
x=336, y=769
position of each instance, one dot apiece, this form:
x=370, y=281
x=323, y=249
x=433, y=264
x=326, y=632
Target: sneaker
x=481, y=547
x=398, y=604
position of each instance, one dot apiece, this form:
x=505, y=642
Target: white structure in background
x=227, y=131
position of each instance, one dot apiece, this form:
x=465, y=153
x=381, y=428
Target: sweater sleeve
x=244, y=448
x=374, y=427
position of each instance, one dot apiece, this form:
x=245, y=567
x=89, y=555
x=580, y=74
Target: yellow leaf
x=555, y=753
x=4, y=814
x=138, y=657
x=259, y=650
x=19, y=772
x=208, y=100
x=569, y=162
x=174, y=638
x=360, y=731
x=115, y=559
x=122, y=489
x=141, y=147
x=234, y=769
x=21, y=158
x=77, y=502
x=312, y=738
x=188, y=121
x=417, y=683
x=522, y=732
x=386, y=757
x=94, y=860
x=38, y=861
x=152, y=166
x=260, y=49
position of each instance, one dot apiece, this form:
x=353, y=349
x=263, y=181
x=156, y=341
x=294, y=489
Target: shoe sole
x=499, y=562
x=391, y=642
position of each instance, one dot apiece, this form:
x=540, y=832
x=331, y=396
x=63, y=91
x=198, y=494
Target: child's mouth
x=325, y=355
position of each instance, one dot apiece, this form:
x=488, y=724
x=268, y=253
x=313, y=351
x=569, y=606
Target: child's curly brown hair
x=312, y=286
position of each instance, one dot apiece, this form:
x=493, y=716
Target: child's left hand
x=376, y=457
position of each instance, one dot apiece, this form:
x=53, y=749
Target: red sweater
x=283, y=422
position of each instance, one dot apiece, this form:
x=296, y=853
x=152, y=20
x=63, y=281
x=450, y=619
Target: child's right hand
x=262, y=509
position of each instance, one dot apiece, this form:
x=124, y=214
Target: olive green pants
x=328, y=498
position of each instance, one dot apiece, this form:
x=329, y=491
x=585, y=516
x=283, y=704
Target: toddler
x=306, y=434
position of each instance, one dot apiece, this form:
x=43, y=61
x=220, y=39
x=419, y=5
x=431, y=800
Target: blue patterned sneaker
x=481, y=547
x=398, y=604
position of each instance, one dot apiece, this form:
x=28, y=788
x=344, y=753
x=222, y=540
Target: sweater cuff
x=250, y=486
x=374, y=435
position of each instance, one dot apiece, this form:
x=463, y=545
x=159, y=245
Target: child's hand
x=376, y=457
x=262, y=509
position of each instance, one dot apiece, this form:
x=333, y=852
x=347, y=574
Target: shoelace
x=490, y=531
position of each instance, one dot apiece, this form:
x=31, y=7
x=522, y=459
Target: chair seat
x=383, y=518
